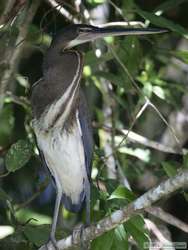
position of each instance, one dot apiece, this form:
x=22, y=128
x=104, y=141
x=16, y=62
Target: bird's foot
x=78, y=235
x=52, y=243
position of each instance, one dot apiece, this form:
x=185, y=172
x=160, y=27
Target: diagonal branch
x=59, y=7
x=120, y=216
x=168, y=218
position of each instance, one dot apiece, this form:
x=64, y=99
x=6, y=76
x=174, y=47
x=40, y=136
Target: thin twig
x=107, y=139
x=140, y=112
x=167, y=124
x=63, y=11
x=117, y=9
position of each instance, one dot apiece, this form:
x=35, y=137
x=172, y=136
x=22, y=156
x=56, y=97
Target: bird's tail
x=67, y=202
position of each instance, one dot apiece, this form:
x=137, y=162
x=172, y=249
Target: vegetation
x=136, y=89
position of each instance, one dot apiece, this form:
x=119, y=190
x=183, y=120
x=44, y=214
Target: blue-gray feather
x=85, y=123
x=87, y=138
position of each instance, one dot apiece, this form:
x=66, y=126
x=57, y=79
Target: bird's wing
x=85, y=124
x=45, y=165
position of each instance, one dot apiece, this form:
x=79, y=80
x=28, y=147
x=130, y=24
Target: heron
x=61, y=120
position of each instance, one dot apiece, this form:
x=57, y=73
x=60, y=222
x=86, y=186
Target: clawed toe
x=78, y=233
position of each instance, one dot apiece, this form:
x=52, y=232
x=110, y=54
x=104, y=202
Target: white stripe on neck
x=67, y=97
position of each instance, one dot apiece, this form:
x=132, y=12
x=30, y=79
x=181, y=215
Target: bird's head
x=76, y=34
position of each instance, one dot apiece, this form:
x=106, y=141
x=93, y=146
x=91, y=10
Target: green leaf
x=110, y=77
x=130, y=53
x=185, y=194
x=35, y=218
x=18, y=155
x=121, y=192
x=120, y=232
x=95, y=195
x=163, y=22
x=158, y=91
x=185, y=160
x=139, y=222
x=95, y=2
x=169, y=4
x=169, y=169
x=120, y=239
x=127, y=6
x=116, y=239
x=111, y=184
x=103, y=242
x=142, y=154
x=181, y=55
x=135, y=227
x=7, y=124
x=147, y=89
x=103, y=195
x=37, y=235
x=120, y=100
x=16, y=241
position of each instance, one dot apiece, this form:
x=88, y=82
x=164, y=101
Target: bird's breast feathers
x=64, y=155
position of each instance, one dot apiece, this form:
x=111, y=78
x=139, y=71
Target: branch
x=162, y=240
x=120, y=216
x=63, y=11
x=137, y=138
x=12, y=8
x=107, y=138
x=10, y=58
x=134, y=137
x=6, y=12
x=168, y=218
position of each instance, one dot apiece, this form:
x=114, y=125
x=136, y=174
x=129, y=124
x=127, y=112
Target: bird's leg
x=88, y=207
x=86, y=245
x=55, y=217
x=80, y=229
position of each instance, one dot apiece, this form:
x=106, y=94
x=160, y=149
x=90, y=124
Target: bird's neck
x=52, y=56
x=62, y=73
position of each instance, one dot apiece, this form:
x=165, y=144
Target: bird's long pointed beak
x=120, y=31
x=91, y=33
